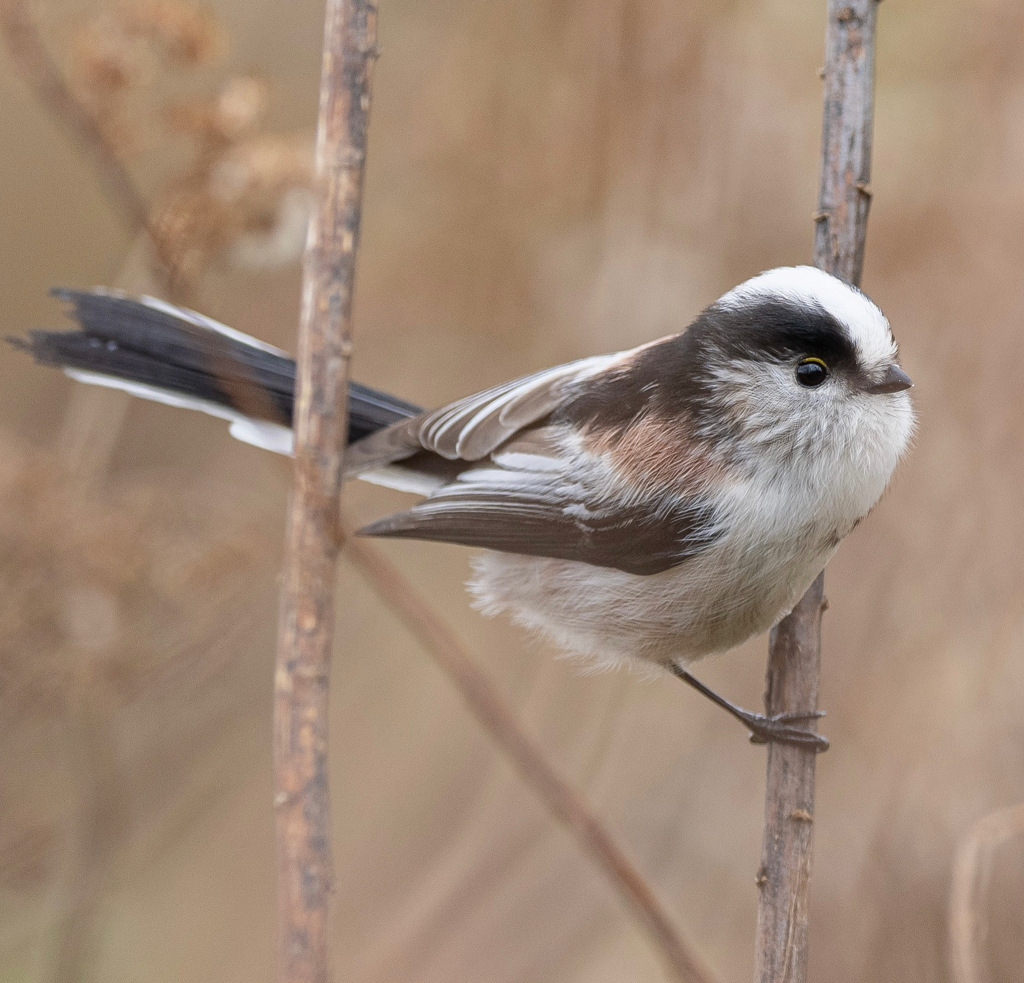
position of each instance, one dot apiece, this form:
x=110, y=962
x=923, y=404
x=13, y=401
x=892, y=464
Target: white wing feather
x=475, y=426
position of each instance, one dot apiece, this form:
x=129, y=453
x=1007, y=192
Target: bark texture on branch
x=785, y=872
x=844, y=194
x=312, y=542
x=795, y=651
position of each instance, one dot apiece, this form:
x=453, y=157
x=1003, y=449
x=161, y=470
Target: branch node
x=311, y=674
x=284, y=798
x=351, y=158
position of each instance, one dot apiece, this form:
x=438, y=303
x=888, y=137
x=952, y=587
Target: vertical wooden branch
x=312, y=540
x=795, y=650
x=785, y=872
x=844, y=194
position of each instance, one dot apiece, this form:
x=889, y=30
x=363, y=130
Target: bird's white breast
x=783, y=523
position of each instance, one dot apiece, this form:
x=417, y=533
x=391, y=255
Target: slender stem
x=492, y=712
x=97, y=827
x=784, y=876
x=42, y=73
x=844, y=195
x=795, y=651
x=44, y=76
x=311, y=546
x=969, y=903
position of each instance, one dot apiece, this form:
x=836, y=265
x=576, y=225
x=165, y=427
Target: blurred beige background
x=547, y=179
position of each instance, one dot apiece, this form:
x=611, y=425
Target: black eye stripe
x=675, y=376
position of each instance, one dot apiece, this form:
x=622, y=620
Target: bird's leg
x=781, y=727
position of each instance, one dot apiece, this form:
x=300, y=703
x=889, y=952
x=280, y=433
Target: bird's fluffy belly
x=610, y=617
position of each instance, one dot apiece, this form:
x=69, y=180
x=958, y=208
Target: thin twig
x=94, y=417
x=968, y=894
x=306, y=626
x=45, y=77
x=43, y=74
x=97, y=825
x=492, y=712
x=795, y=652
x=88, y=423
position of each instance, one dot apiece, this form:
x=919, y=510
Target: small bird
x=656, y=505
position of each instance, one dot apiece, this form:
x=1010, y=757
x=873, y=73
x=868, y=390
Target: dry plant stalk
x=51, y=86
x=37, y=67
x=795, y=651
x=494, y=715
x=244, y=194
x=312, y=540
x=47, y=79
x=972, y=874
x=114, y=604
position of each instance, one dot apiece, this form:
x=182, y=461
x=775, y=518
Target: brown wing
x=535, y=498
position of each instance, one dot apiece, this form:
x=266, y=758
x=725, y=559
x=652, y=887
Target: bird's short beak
x=892, y=380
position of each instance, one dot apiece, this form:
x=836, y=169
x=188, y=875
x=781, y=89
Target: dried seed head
x=187, y=35
x=236, y=111
x=106, y=588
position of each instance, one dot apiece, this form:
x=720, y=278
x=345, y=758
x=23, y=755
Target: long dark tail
x=168, y=353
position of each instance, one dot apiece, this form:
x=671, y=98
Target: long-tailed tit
x=658, y=504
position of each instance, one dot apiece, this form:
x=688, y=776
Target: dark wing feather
x=531, y=506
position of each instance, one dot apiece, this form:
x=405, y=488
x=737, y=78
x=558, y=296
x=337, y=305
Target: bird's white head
x=801, y=379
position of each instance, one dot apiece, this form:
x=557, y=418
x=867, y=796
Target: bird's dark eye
x=811, y=372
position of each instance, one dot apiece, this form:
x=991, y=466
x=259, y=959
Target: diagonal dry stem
x=42, y=73
x=38, y=68
x=44, y=76
x=493, y=713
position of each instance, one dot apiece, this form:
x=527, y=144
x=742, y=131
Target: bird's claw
x=779, y=728
x=763, y=728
